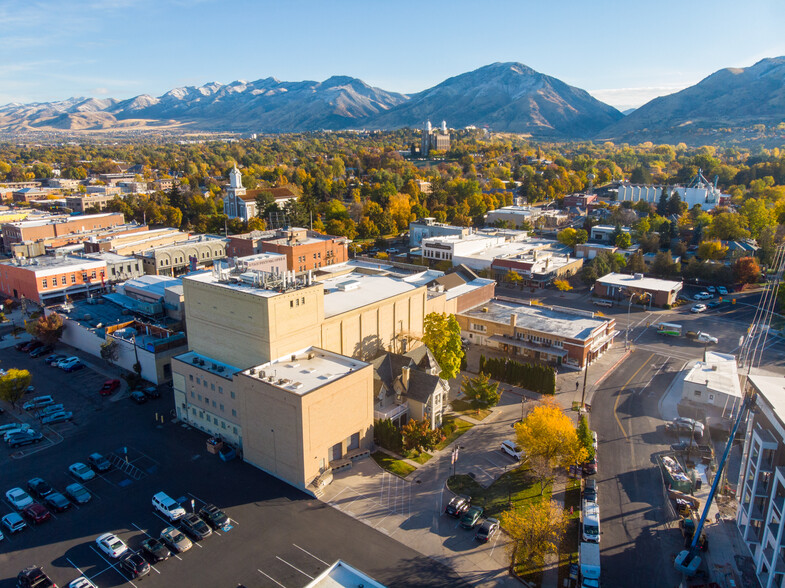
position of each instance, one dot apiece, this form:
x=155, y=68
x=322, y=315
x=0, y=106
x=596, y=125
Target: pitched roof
x=422, y=385
x=387, y=369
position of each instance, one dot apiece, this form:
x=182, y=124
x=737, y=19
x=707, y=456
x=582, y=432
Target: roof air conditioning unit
x=311, y=355
x=196, y=361
x=252, y=371
x=262, y=374
x=485, y=309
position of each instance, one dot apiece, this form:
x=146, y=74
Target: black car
x=39, y=351
x=156, y=550
x=57, y=502
x=21, y=439
x=195, y=527
x=34, y=577
x=39, y=488
x=213, y=516
x=138, y=396
x=134, y=564
x=590, y=490
x=458, y=505
x=151, y=392
x=99, y=463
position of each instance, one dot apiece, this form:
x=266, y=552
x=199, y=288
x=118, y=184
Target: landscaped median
x=393, y=465
x=465, y=408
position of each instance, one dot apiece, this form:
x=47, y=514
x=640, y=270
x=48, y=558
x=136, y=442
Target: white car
x=111, y=545
x=698, y=308
x=706, y=338
x=711, y=290
x=511, y=449
x=81, y=471
x=13, y=427
x=722, y=290
x=18, y=498
x=14, y=522
x=82, y=582
x=15, y=431
x=65, y=360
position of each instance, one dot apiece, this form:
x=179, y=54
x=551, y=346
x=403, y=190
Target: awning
x=526, y=345
x=606, y=339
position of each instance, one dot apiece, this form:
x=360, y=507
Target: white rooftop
x=233, y=283
x=578, y=325
x=513, y=248
x=631, y=281
x=346, y=292
x=208, y=363
x=342, y=575
x=772, y=388
x=305, y=370
x=46, y=265
x=261, y=256
x=717, y=373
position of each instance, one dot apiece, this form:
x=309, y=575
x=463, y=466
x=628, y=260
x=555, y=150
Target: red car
x=109, y=387
x=36, y=513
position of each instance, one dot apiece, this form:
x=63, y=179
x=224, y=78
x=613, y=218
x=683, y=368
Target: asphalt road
x=634, y=542
x=281, y=537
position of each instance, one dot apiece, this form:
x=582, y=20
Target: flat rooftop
x=261, y=257
x=772, y=388
x=232, y=281
x=718, y=373
x=305, y=370
x=631, y=281
x=46, y=264
x=59, y=219
x=538, y=318
x=354, y=290
x=209, y=364
x=342, y=575
x=190, y=241
x=155, y=285
x=511, y=249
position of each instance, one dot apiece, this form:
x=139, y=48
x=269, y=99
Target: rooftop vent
x=293, y=365
x=195, y=360
x=252, y=371
x=485, y=309
x=311, y=355
x=348, y=285
x=296, y=385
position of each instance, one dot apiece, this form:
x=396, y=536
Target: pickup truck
x=701, y=337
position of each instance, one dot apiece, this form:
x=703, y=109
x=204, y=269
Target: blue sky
x=623, y=52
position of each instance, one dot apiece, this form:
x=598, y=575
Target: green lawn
x=568, y=549
x=513, y=488
x=461, y=426
x=420, y=458
x=463, y=407
x=392, y=465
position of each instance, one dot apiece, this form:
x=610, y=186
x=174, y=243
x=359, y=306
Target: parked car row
x=710, y=292
x=460, y=507
x=47, y=411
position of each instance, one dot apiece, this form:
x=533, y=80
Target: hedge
x=535, y=377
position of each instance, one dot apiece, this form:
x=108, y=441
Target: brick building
x=49, y=279
x=60, y=226
x=304, y=250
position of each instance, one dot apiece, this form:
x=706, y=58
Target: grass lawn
x=463, y=407
x=461, y=426
x=420, y=458
x=392, y=465
x=568, y=549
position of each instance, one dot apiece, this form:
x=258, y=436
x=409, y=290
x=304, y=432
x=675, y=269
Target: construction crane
x=688, y=561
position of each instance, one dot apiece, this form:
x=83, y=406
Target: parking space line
x=270, y=577
x=294, y=567
x=311, y=554
x=151, y=537
x=112, y=566
x=77, y=568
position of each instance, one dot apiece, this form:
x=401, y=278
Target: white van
x=590, y=527
x=167, y=506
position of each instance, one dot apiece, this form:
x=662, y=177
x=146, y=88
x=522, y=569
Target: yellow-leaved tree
x=535, y=528
x=548, y=433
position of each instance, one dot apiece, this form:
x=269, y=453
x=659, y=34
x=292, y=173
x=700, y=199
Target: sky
x=623, y=52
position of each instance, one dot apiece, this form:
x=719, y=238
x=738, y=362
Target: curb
x=613, y=367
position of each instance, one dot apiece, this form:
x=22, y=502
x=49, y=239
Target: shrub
x=387, y=435
x=539, y=378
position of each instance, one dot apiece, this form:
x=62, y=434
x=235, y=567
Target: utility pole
x=585, y=377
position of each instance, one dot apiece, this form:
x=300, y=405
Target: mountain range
x=504, y=97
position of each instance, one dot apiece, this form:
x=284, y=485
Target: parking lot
x=280, y=537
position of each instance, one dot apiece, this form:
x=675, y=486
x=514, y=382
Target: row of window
x=206, y=400
x=297, y=301
x=203, y=382
x=437, y=254
x=200, y=414
x=64, y=280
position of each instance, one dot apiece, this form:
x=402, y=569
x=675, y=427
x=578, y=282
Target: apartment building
x=561, y=336
x=81, y=202
x=761, y=484
x=50, y=279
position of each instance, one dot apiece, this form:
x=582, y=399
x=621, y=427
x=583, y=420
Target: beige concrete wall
x=243, y=329
x=290, y=436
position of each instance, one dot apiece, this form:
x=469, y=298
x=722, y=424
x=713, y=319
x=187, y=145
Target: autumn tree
x=46, y=328
x=536, y=528
x=712, y=249
x=623, y=241
x=584, y=436
x=418, y=436
x=513, y=277
x=442, y=335
x=728, y=226
x=549, y=433
x=481, y=392
x=13, y=385
x=746, y=270
x=562, y=285
x=572, y=237
x=541, y=470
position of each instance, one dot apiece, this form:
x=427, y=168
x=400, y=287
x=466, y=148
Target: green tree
x=662, y=204
x=387, y=435
x=13, y=385
x=442, y=335
x=481, y=391
x=265, y=201
x=585, y=437
x=728, y=226
x=47, y=329
x=623, y=241
x=636, y=265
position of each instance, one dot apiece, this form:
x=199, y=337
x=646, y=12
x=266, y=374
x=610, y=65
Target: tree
x=541, y=471
x=663, y=264
x=549, y=433
x=584, y=436
x=387, y=435
x=623, y=241
x=662, y=204
x=562, y=285
x=13, y=385
x=442, y=335
x=712, y=249
x=636, y=264
x=481, y=391
x=47, y=329
x=513, y=277
x=418, y=436
x=567, y=237
x=110, y=350
x=536, y=528
x=728, y=226
x=264, y=201
x=746, y=270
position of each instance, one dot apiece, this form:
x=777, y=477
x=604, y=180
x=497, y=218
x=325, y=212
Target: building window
x=213, y=403
x=212, y=387
x=291, y=304
x=199, y=397
x=220, y=390
x=697, y=393
x=192, y=393
x=44, y=283
x=223, y=425
x=232, y=394
x=215, y=421
x=234, y=413
x=235, y=430
x=478, y=327
x=207, y=400
x=221, y=406
x=205, y=383
x=191, y=376
x=92, y=275
x=303, y=299
x=198, y=381
x=73, y=278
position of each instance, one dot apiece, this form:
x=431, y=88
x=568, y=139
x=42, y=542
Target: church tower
x=425, y=144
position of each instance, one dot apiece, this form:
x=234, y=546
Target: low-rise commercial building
x=119, y=268
x=57, y=226
x=50, y=279
x=81, y=202
x=306, y=250
x=184, y=256
x=713, y=385
x=623, y=286
x=604, y=233
x=519, y=217
x=561, y=336
x=535, y=269
x=425, y=228
x=579, y=200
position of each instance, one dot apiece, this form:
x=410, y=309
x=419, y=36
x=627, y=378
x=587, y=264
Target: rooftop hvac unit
x=262, y=374
x=252, y=371
x=311, y=355
x=296, y=385
x=195, y=361
x=220, y=369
